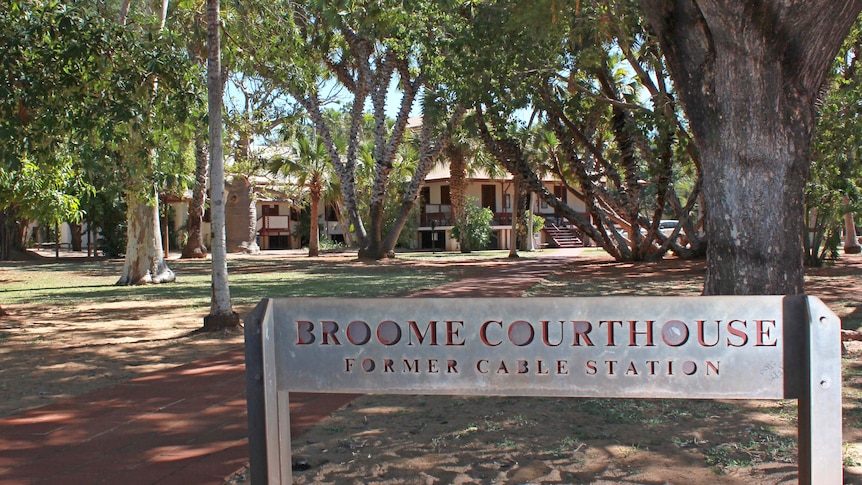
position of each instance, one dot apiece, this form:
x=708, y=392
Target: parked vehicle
x=666, y=227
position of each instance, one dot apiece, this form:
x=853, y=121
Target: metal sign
x=751, y=347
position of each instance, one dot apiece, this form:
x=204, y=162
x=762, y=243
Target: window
x=445, y=195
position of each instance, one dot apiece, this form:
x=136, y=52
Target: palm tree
x=466, y=157
x=310, y=168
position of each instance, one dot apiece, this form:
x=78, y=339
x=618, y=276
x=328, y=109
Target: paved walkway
x=186, y=425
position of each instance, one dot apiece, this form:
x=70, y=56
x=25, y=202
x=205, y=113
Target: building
x=497, y=194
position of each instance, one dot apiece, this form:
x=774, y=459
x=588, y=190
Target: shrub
x=476, y=226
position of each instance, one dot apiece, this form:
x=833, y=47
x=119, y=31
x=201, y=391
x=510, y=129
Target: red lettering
x=631, y=371
x=358, y=332
x=521, y=333
x=545, y=332
x=701, y=340
x=304, y=332
x=502, y=368
x=388, y=364
x=432, y=366
x=522, y=367
x=737, y=333
x=611, y=340
x=582, y=330
x=329, y=329
x=483, y=333
x=712, y=366
x=764, y=332
x=388, y=333
x=674, y=333
x=561, y=367
x=452, y=332
x=540, y=368
x=348, y=364
x=652, y=364
x=689, y=367
x=411, y=366
x=479, y=366
x=451, y=366
x=610, y=364
x=420, y=337
x=633, y=333
x=591, y=368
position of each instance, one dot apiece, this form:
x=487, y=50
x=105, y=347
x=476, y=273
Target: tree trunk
x=429, y=152
x=851, y=244
x=458, y=191
x=345, y=167
x=516, y=203
x=7, y=234
x=250, y=246
x=314, y=229
x=221, y=312
x=195, y=247
x=166, y=233
x=531, y=240
x=344, y=226
x=77, y=236
x=89, y=239
x=748, y=75
x=145, y=260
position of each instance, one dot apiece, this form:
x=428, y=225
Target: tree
x=160, y=107
x=308, y=166
x=221, y=311
x=749, y=76
x=81, y=85
x=466, y=156
x=33, y=193
x=53, y=58
x=256, y=109
x=833, y=188
x=195, y=247
x=584, y=68
x=365, y=48
x=457, y=153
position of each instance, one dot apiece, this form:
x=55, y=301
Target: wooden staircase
x=563, y=237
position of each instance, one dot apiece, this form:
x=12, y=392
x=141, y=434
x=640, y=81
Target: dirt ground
x=47, y=355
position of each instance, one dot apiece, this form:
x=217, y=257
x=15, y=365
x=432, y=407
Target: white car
x=666, y=227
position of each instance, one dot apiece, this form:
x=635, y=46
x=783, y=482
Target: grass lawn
x=251, y=278
x=71, y=330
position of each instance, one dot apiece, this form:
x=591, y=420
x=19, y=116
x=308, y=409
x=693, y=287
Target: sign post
x=729, y=347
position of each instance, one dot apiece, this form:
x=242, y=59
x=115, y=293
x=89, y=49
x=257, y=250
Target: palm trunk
x=458, y=184
x=314, y=229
